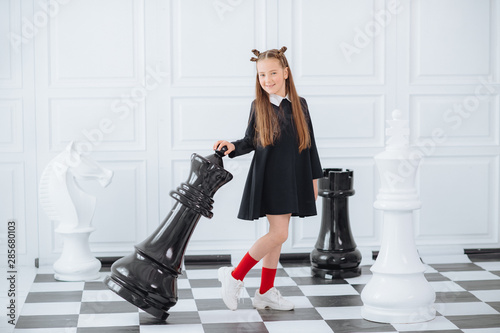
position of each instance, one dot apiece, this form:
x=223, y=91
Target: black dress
x=280, y=178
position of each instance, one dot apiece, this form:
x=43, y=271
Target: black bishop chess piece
x=335, y=253
x=147, y=278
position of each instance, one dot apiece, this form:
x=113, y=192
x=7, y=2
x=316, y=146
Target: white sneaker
x=272, y=299
x=231, y=287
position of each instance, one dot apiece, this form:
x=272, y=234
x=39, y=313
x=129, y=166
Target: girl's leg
x=270, y=244
x=267, y=295
x=271, y=259
x=269, y=269
x=277, y=235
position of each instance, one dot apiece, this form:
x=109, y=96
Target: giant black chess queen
x=147, y=278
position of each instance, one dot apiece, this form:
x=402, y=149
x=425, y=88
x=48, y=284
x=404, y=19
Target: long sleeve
x=317, y=171
x=246, y=145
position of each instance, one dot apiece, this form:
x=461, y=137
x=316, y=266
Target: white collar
x=276, y=99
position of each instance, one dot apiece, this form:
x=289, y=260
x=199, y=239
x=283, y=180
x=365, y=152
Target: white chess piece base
x=398, y=291
x=76, y=262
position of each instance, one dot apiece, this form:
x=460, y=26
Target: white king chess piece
x=64, y=201
x=398, y=291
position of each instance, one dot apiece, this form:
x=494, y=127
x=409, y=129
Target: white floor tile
x=196, y=328
x=202, y=274
x=464, y=309
x=298, y=326
x=300, y=302
x=282, y=281
x=487, y=295
x=228, y=316
x=46, y=269
x=438, y=323
x=328, y=290
x=108, y=319
x=489, y=265
x=298, y=271
x=183, y=284
x=184, y=305
x=251, y=282
x=5, y=326
x=340, y=312
x=210, y=293
x=25, y=278
x=57, y=286
x=100, y=296
x=471, y=276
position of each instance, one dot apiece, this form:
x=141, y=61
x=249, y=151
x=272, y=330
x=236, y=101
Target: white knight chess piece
x=65, y=202
x=398, y=291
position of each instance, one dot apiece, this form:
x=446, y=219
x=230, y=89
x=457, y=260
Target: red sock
x=267, y=279
x=244, y=267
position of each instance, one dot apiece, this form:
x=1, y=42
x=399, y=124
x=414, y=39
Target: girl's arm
x=317, y=171
x=315, y=185
x=242, y=146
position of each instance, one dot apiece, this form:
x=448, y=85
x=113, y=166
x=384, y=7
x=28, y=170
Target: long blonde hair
x=266, y=120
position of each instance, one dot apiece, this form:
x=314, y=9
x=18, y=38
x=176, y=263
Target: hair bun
x=257, y=53
x=283, y=49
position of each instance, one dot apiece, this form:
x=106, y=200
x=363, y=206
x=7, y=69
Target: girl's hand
x=221, y=143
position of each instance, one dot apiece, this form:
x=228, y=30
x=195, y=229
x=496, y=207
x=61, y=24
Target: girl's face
x=272, y=76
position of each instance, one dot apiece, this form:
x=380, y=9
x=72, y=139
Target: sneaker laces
x=276, y=293
x=239, y=291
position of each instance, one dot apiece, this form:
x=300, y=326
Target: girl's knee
x=280, y=237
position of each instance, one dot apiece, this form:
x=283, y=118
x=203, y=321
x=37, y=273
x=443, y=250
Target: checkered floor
x=467, y=300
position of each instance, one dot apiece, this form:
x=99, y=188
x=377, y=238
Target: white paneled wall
x=142, y=84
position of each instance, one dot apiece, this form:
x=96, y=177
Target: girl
x=282, y=180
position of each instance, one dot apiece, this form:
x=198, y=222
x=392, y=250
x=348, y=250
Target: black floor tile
x=457, y=267
x=328, y=301
x=479, y=285
x=296, y=314
x=185, y=294
x=174, y=318
x=57, y=321
x=484, y=257
x=494, y=305
x=95, y=285
x=121, y=329
x=435, y=277
x=107, y=307
x=436, y=331
x=358, y=325
x=455, y=297
x=204, y=283
x=39, y=278
x=359, y=287
x=235, y=328
x=476, y=321
x=310, y=280
x=54, y=296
